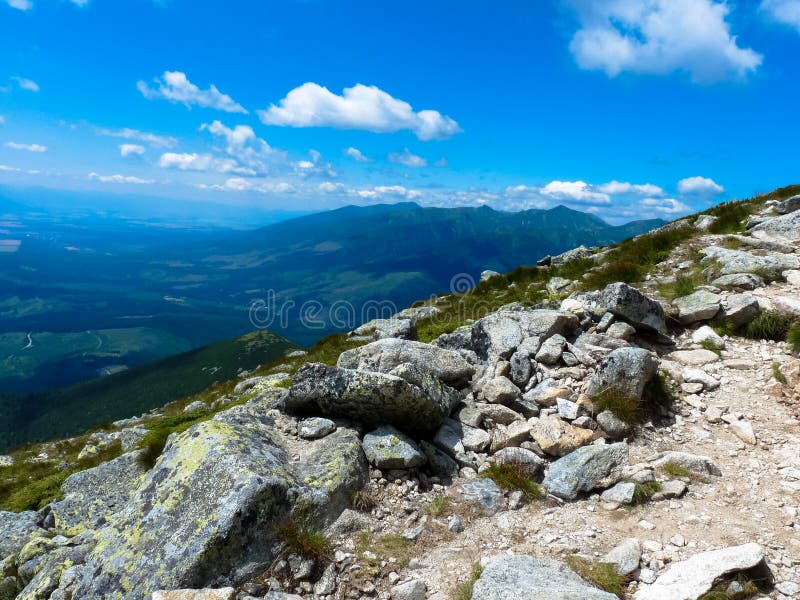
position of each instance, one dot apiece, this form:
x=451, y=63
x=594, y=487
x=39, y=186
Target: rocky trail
x=633, y=441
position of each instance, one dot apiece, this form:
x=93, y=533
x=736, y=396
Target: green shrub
x=731, y=216
x=600, y=574
x=513, y=477
x=770, y=325
x=643, y=491
x=464, y=591
x=302, y=538
x=793, y=337
x=624, y=407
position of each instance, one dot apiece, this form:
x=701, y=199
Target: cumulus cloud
x=699, y=186
x=575, y=191
x=176, y=87
x=26, y=147
x=158, y=141
x=240, y=184
x=666, y=206
x=9, y=169
x=623, y=187
x=201, y=162
x=131, y=150
x=384, y=191
x=355, y=154
x=245, y=147
x=360, y=107
x=408, y=159
x=783, y=11
x=120, y=179
x=660, y=37
x=20, y=4
x=329, y=187
x=26, y=84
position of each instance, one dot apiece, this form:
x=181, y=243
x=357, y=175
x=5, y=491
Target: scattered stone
x=743, y=430
x=698, y=306
x=521, y=368
x=489, y=274
x=621, y=330
x=558, y=438
x=528, y=461
x=387, y=448
x=547, y=393
x=567, y=409
x=690, y=462
x=622, y=493
x=630, y=304
x=693, y=358
x=706, y=334
x=500, y=333
x=500, y=390
x=454, y=524
x=484, y=492
x=527, y=578
x=625, y=371
x=410, y=590
x=496, y=412
x=673, y=488
x=377, y=329
x=586, y=469
x=741, y=281
x=690, y=579
x=551, y=350
x=701, y=377
x=614, y=427
x=625, y=556
x=6, y=461
x=506, y=436
x=315, y=428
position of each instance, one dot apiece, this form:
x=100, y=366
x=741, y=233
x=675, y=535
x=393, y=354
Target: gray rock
x=385, y=355
x=527, y=578
x=625, y=371
x=739, y=281
x=585, y=469
x=630, y=304
x=416, y=313
x=448, y=438
x=690, y=579
x=315, y=428
x=576, y=253
x=703, y=222
x=489, y=274
x=504, y=436
x=625, y=556
x=739, y=309
x=475, y=439
x=373, y=398
x=615, y=427
x=499, y=390
x=528, y=461
x=567, y=409
x=377, y=329
x=670, y=489
x=551, y=350
x=387, y=448
x=789, y=205
x=195, y=406
x=458, y=340
x=454, y=524
x=208, y=594
x=500, y=333
x=769, y=266
x=6, y=461
x=707, y=335
x=547, y=393
x=622, y=493
x=558, y=438
x=440, y=464
x=410, y=590
x=698, y=306
x=690, y=462
x=708, y=382
x=785, y=228
x=529, y=346
x=130, y=438
x=521, y=368
x=204, y=515
x=483, y=492
x=16, y=529
x=593, y=341
x=498, y=413
x=621, y=330
x=93, y=496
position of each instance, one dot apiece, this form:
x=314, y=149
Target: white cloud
x=159, y=141
x=26, y=147
x=9, y=169
x=131, y=150
x=26, y=84
x=20, y=4
x=80, y=2
x=383, y=191
x=408, y=159
x=176, y=87
x=243, y=146
x=120, y=179
x=660, y=37
x=623, y=187
x=783, y=11
x=330, y=187
x=239, y=184
x=2, y=120
x=666, y=206
x=201, y=162
x=575, y=191
x=699, y=186
x=359, y=107
x=355, y=154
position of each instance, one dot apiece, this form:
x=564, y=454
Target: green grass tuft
x=770, y=325
x=303, y=539
x=600, y=574
x=384, y=548
x=777, y=373
x=682, y=286
x=513, y=477
x=644, y=491
x=676, y=470
x=709, y=345
x=624, y=407
x=793, y=337
x=439, y=506
x=363, y=501
x=464, y=590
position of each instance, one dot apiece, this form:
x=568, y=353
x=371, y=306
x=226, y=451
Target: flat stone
x=410, y=590
x=207, y=594
x=741, y=281
x=625, y=556
x=500, y=390
x=388, y=448
x=557, y=438
x=690, y=462
x=673, y=488
x=706, y=334
x=315, y=428
x=699, y=376
x=586, y=469
x=622, y=493
x=527, y=460
x=693, y=358
x=482, y=491
x=698, y=306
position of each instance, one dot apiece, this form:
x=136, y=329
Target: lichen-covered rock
x=624, y=371
x=16, y=530
x=501, y=332
x=314, y=428
x=697, y=306
x=585, y=469
x=740, y=281
x=94, y=495
x=204, y=516
x=527, y=578
x=769, y=266
x=377, y=329
x=387, y=448
x=633, y=306
x=208, y=594
x=372, y=398
x=386, y=354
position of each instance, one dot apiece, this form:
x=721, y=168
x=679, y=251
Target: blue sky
x=627, y=108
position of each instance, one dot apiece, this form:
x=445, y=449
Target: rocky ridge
x=515, y=456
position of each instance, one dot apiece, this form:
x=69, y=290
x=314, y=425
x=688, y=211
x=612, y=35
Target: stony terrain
x=634, y=441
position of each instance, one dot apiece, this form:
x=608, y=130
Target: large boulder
x=769, y=266
x=417, y=406
x=500, y=333
x=783, y=228
x=697, y=306
x=739, y=309
x=624, y=371
x=633, y=306
x=205, y=515
x=16, y=529
x=92, y=496
x=527, y=578
x=690, y=579
x=586, y=469
x=789, y=205
x=378, y=329
x=385, y=355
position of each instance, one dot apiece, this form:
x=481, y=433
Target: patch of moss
x=384, y=548
x=676, y=470
x=600, y=574
x=513, y=477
